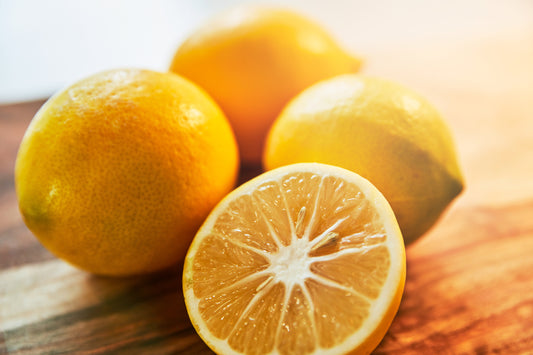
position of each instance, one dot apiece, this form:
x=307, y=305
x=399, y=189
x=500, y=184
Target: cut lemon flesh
x=304, y=259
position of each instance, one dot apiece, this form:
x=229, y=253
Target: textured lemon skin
x=253, y=60
x=116, y=173
x=381, y=130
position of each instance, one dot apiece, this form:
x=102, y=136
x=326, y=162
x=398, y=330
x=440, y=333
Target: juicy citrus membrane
x=382, y=131
x=252, y=60
x=304, y=259
x=116, y=173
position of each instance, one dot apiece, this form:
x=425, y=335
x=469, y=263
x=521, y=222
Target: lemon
x=381, y=130
x=252, y=60
x=116, y=173
x=304, y=259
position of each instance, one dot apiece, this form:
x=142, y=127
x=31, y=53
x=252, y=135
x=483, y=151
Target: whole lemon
x=252, y=60
x=116, y=173
x=380, y=130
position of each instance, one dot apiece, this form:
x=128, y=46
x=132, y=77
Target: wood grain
x=469, y=286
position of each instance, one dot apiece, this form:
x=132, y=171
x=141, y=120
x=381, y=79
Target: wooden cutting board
x=469, y=285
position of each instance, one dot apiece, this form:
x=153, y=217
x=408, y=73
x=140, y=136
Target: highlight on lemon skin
x=304, y=259
x=115, y=173
x=253, y=59
x=381, y=130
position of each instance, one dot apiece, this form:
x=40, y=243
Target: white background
x=45, y=45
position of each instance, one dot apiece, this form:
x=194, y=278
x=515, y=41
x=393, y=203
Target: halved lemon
x=304, y=259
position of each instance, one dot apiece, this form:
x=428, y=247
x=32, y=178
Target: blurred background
x=45, y=45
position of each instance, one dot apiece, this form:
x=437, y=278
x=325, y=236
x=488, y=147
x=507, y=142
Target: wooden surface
x=469, y=285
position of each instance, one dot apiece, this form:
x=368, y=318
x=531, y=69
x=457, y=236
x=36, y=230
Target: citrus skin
x=116, y=173
x=252, y=60
x=382, y=131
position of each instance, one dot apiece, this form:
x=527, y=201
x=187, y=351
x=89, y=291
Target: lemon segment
x=304, y=259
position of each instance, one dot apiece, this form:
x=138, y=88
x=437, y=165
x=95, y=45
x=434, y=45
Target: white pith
x=290, y=265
